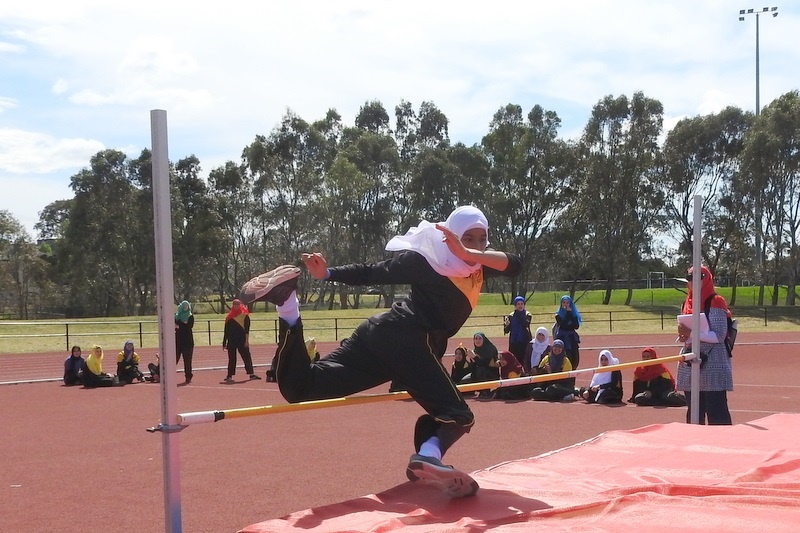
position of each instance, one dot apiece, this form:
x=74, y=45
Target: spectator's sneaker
x=253, y=376
x=274, y=286
x=228, y=379
x=431, y=471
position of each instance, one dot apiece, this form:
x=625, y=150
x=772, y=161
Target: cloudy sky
x=81, y=76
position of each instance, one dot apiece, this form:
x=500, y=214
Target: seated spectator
x=73, y=367
x=484, y=358
x=155, y=370
x=311, y=348
x=537, y=349
x=605, y=387
x=128, y=364
x=93, y=375
x=654, y=384
x=462, y=365
x=511, y=368
x=555, y=390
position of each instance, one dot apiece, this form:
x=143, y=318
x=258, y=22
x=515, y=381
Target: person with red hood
x=237, y=338
x=654, y=384
x=716, y=376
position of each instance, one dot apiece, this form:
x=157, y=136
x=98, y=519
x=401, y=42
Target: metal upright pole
x=758, y=84
x=166, y=331
x=697, y=250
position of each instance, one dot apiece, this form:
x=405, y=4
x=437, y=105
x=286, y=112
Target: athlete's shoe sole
x=274, y=286
x=430, y=471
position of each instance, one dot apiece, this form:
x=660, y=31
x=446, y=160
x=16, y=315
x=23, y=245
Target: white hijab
x=426, y=240
x=538, y=348
x=601, y=378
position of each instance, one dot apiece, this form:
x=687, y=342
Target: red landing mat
x=674, y=477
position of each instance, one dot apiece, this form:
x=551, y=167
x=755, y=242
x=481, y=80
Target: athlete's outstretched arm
x=491, y=258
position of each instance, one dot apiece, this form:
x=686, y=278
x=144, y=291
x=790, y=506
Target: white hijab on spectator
x=601, y=378
x=538, y=347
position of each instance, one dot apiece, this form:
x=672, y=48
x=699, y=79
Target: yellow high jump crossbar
x=201, y=417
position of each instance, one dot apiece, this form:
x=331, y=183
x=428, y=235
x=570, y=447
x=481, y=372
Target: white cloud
x=26, y=152
x=7, y=103
x=10, y=48
x=60, y=86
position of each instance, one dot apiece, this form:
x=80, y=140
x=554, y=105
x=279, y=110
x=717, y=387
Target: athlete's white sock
x=430, y=448
x=289, y=311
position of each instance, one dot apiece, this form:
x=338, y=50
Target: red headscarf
x=706, y=290
x=237, y=312
x=651, y=372
x=510, y=367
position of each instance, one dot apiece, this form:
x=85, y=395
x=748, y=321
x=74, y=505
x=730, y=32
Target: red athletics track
x=80, y=460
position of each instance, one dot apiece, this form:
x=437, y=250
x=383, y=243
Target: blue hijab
x=563, y=314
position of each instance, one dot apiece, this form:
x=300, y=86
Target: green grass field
x=651, y=311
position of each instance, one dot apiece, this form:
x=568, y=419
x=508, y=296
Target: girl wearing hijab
x=568, y=320
x=517, y=326
x=485, y=358
x=654, y=384
x=559, y=390
x=445, y=264
x=510, y=368
x=236, y=337
x=184, y=338
x=605, y=387
x=716, y=377
x=128, y=364
x=73, y=367
x=93, y=375
x=538, y=348
x=462, y=365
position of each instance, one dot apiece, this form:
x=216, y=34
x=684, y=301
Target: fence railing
x=264, y=329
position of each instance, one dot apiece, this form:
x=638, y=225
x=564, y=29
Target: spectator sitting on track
x=560, y=389
x=605, y=387
x=128, y=364
x=155, y=370
x=537, y=349
x=311, y=348
x=511, y=368
x=462, y=365
x=93, y=375
x=484, y=358
x=73, y=367
x=654, y=384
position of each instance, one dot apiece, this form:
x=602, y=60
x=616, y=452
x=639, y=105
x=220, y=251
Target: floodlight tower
x=759, y=254
x=742, y=13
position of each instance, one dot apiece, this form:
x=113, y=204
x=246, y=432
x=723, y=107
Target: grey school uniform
x=716, y=374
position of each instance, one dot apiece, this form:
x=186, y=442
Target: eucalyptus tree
x=529, y=183
x=231, y=195
x=701, y=157
x=22, y=270
x=140, y=244
x=619, y=194
x=286, y=169
x=53, y=219
x=196, y=241
x=423, y=142
x=104, y=262
x=772, y=160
